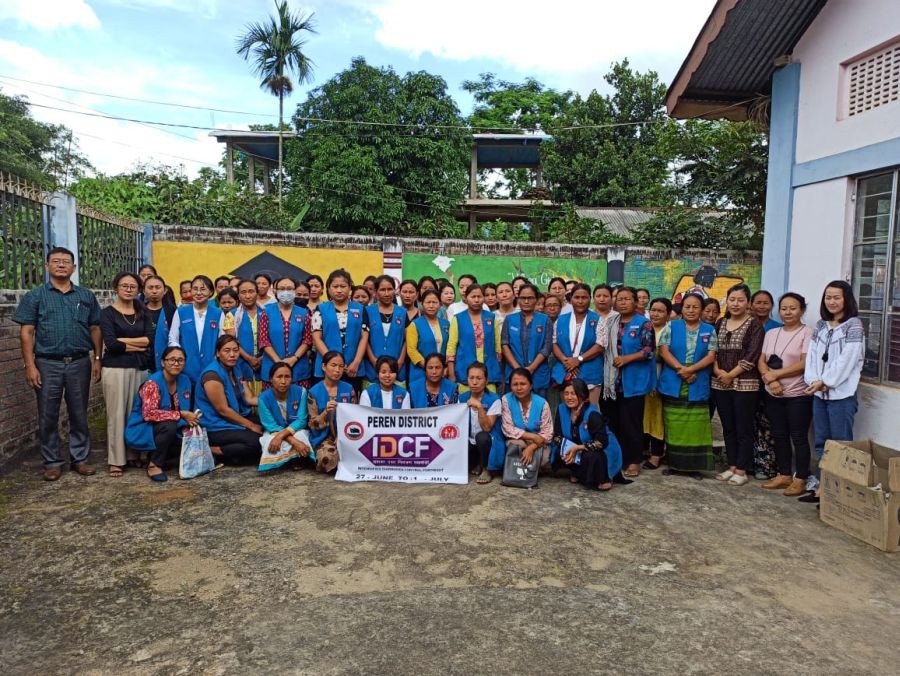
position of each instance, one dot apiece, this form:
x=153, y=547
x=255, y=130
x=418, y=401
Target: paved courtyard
x=236, y=573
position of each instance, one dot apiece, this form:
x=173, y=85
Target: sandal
x=116, y=472
x=573, y=479
x=632, y=473
x=475, y=471
x=605, y=487
x=649, y=465
x=484, y=478
x=159, y=475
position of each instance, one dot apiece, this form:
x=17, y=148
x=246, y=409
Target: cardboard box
x=861, y=491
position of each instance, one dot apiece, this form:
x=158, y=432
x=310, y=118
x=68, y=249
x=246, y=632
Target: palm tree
x=276, y=49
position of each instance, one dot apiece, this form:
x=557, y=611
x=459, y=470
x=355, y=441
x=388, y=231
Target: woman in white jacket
x=833, y=366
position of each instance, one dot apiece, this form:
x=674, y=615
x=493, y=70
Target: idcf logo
x=354, y=431
x=449, y=432
x=401, y=450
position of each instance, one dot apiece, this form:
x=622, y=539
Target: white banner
x=424, y=445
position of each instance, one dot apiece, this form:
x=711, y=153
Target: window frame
x=891, y=241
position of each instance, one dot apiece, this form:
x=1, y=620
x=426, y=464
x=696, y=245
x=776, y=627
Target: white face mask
x=285, y=297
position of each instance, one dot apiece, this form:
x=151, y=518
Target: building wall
x=842, y=31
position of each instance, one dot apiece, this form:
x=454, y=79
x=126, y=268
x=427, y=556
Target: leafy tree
x=567, y=226
x=277, y=49
x=723, y=165
x=681, y=227
x=45, y=154
x=401, y=172
x=512, y=107
x=609, y=160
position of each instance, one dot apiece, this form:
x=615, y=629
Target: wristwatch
x=580, y=358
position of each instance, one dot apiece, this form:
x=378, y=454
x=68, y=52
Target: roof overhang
x=261, y=145
x=739, y=47
x=509, y=151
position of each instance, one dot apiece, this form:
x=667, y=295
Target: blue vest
x=669, y=382
x=299, y=317
x=320, y=395
x=772, y=324
x=331, y=334
x=139, y=432
x=397, y=396
x=465, y=350
x=591, y=370
x=447, y=394
x=392, y=344
x=540, y=325
x=613, y=450
x=533, y=424
x=210, y=419
x=638, y=378
x=161, y=339
x=497, y=456
x=198, y=355
x=295, y=404
x=428, y=345
x=245, y=335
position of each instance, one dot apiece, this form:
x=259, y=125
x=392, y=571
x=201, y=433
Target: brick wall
x=18, y=408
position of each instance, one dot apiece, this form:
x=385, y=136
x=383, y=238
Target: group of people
x=604, y=381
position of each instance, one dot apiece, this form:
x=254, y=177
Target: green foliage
x=723, y=164
x=684, y=228
x=612, y=162
x=44, y=154
x=406, y=169
x=568, y=227
x=163, y=194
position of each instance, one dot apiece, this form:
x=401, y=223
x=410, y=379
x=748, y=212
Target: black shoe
x=649, y=465
x=810, y=497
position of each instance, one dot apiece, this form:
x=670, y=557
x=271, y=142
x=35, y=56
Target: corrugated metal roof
x=738, y=58
x=623, y=221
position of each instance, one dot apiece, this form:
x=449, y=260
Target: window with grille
x=876, y=273
x=873, y=80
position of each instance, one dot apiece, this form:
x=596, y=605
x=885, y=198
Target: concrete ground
x=235, y=573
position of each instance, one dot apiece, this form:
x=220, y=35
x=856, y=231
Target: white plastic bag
x=196, y=456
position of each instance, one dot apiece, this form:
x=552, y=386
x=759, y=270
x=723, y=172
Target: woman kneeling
x=525, y=418
x=282, y=413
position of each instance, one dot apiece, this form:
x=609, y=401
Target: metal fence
x=106, y=244
x=24, y=218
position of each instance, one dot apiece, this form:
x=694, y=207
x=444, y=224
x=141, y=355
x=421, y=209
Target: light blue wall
x=850, y=163
x=779, y=190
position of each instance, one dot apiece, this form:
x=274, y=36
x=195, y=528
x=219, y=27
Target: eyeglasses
x=128, y=287
x=174, y=360
x=60, y=261
x=525, y=298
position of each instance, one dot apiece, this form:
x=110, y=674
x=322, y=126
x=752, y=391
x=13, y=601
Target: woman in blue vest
x=246, y=330
x=688, y=348
x=635, y=377
x=322, y=403
x=341, y=325
x=283, y=415
x=196, y=327
x=579, y=338
x=385, y=393
x=585, y=445
x=527, y=339
x=233, y=431
x=474, y=336
x=435, y=390
x=486, y=444
x=525, y=419
x=387, y=328
x=425, y=335
x=162, y=407
x=285, y=333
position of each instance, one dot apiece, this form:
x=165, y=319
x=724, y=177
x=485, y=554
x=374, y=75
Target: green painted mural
x=502, y=268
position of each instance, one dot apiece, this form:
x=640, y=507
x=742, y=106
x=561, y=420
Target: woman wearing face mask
x=474, y=336
x=833, y=367
x=323, y=400
x=301, y=295
x=735, y=382
x=285, y=333
x=387, y=329
x=788, y=407
x=426, y=335
x=341, y=325
x=688, y=350
x=196, y=327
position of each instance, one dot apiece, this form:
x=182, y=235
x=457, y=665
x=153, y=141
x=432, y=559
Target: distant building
x=827, y=76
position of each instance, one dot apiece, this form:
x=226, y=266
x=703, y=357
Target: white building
x=832, y=70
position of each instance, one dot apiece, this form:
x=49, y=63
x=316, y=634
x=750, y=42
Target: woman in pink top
x=788, y=406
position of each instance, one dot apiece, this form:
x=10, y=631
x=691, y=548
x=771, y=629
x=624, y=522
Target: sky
x=181, y=53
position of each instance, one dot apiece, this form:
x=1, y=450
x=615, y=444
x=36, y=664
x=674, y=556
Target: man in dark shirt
x=60, y=326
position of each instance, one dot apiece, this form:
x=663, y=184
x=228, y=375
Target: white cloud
x=47, y=15
x=206, y=8
x=563, y=37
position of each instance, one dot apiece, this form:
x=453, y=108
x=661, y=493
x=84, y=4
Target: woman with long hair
x=579, y=337
x=486, y=444
x=341, y=325
x=387, y=328
x=474, y=336
x=283, y=417
x=525, y=420
x=322, y=403
x=196, y=327
x=425, y=335
x=435, y=390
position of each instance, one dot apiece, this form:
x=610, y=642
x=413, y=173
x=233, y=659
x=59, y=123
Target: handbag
x=517, y=474
x=196, y=456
